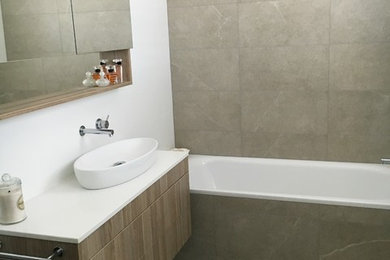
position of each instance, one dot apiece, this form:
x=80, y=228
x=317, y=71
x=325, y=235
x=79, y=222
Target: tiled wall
x=35, y=77
x=301, y=79
x=239, y=228
x=39, y=28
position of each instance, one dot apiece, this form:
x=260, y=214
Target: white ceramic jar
x=11, y=200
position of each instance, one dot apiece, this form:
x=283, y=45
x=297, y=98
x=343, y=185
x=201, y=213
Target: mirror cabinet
x=47, y=46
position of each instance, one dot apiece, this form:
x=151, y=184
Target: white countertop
x=70, y=213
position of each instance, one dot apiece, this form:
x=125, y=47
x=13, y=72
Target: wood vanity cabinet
x=155, y=225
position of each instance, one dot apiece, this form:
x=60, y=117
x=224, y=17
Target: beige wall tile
x=284, y=68
x=22, y=75
x=360, y=21
x=31, y=7
x=209, y=142
x=67, y=34
x=360, y=67
x=207, y=110
x=299, y=112
x=98, y=31
x=66, y=72
x=362, y=113
x=291, y=22
x=356, y=148
x=205, y=69
x=32, y=36
x=287, y=66
x=213, y=26
x=284, y=145
x=359, y=124
x=85, y=6
x=182, y=3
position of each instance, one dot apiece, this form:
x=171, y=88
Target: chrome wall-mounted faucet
x=101, y=128
x=385, y=161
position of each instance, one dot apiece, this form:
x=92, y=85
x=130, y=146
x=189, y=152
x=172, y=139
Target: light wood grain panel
x=37, y=247
x=176, y=173
x=148, y=235
x=158, y=233
x=185, y=209
x=98, y=239
x=153, y=226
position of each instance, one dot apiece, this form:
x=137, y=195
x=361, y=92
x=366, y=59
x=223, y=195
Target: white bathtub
x=348, y=184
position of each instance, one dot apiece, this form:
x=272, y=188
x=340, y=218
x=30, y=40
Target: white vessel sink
x=115, y=163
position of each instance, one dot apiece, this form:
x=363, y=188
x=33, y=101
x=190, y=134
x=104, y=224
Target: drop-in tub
x=336, y=183
x=252, y=208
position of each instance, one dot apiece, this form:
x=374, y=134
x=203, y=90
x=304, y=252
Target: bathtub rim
x=373, y=204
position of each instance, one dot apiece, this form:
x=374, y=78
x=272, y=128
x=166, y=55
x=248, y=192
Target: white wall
x=3, y=51
x=40, y=147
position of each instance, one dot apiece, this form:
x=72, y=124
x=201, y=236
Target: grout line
x=74, y=27
x=239, y=77
x=329, y=75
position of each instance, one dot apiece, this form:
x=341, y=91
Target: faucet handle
x=102, y=124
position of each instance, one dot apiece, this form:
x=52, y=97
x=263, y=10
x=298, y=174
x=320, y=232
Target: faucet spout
x=385, y=161
x=83, y=131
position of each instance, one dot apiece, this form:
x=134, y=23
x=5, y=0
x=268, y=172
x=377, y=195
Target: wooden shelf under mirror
x=27, y=105
x=32, y=104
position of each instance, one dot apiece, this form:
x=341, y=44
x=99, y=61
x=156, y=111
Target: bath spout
x=385, y=161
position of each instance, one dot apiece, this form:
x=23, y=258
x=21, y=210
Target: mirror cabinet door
x=36, y=29
x=102, y=25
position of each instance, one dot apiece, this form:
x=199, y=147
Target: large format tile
x=181, y=3
x=291, y=22
x=67, y=72
x=363, y=113
x=21, y=79
x=360, y=67
x=207, y=110
x=205, y=69
x=212, y=26
x=360, y=21
x=201, y=244
x=252, y=234
x=96, y=31
x=85, y=6
x=34, y=7
x=358, y=148
x=359, y=124
x=284, y=68
x=209, y=142
x=284, y=145
x=32, y=36
x=350, y=241
x=291, y=112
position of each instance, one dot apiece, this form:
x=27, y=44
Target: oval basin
x=115, y=163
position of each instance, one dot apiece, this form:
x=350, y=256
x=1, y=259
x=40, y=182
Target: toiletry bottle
x=112, y=76
x=89, y=81
x=102, y=82
x=103, y=64
x=118, y=69
x=96, y=74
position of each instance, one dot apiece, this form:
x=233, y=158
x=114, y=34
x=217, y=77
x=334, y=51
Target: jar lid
x=8, y=181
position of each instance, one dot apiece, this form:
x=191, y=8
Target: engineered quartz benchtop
x=70, y=213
